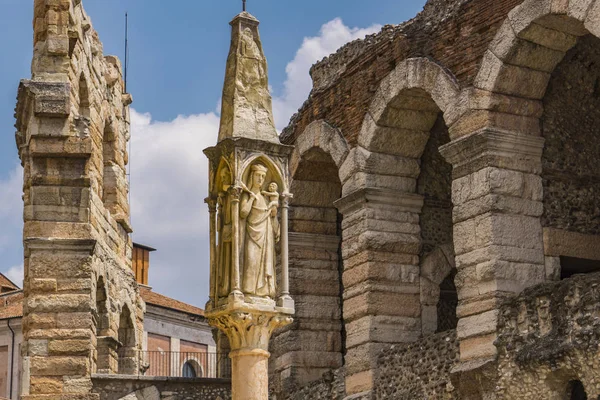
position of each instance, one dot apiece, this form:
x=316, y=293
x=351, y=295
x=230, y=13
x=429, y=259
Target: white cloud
x=11, y=221
x=169, y=181
x=15, y=274
x=298, y=84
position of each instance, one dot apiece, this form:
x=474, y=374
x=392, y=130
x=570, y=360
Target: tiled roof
x=7, y=283
x=159, y=300
x=11, y=305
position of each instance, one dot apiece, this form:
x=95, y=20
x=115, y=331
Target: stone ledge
x=142, y=378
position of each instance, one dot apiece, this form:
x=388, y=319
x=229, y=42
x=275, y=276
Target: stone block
x=59, y=303
x=382, y=329
x=37, y=347
x=477, y=325
x=389, y=303
x=59, y=366
x=40, y=285
x=480, y=347
x=74, y=384
x=45, y=385
x=379, y=271
x=69, y=347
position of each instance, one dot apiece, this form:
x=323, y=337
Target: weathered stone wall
x=455, y=33
x=550, y=336
x=329, y=387
x=434, y=184
x=81, y=302
x=419, y=370
x=109, y=387
x=571, y=158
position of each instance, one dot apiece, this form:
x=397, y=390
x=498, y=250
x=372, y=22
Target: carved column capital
x=249, y=329
x=285, y=199
x=235, y=192
x=212, y=204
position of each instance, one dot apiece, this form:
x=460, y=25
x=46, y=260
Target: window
x=188, y=370
x=570, y=266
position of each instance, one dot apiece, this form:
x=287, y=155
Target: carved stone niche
x=248, y=197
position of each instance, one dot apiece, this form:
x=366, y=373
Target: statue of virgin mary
x=261, y=232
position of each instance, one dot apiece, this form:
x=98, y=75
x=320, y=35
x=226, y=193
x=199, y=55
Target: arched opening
x=314, y=343
x=576, y=391
x=82, y=121
x=102, y=323
x=110, y=189
x=571, y=162
x=191, y=369
x=126, y=336
x=106, y=350
x=437, y=251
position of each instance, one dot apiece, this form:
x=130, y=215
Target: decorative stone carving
x=249, y=184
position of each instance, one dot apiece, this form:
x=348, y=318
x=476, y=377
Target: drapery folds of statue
x=259, y=232
x=258, y=211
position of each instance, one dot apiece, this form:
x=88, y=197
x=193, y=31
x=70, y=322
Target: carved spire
x=246, y=110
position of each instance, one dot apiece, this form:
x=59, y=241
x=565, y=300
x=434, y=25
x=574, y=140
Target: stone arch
x=314, y=343
x=127, y=337
x=534, y=56
x=406, y=106
x=531, y=42
x=319, y=134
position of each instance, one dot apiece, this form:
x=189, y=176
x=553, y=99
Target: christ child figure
x=273, y=195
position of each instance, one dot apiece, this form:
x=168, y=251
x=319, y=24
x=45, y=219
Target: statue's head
x=258, y=173
x=273, y=187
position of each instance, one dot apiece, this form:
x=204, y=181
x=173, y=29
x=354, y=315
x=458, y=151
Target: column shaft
x=250, y=374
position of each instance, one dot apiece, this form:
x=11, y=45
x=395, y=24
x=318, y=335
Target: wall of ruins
x=570, y=161
x=548, y=339
x=480, y=74
x=81, y=303
x=108, y=387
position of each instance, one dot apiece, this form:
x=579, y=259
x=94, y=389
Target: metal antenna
x=243, y=5
x=126, y=49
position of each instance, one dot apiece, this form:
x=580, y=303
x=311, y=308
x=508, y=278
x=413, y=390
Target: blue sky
x=177, y=62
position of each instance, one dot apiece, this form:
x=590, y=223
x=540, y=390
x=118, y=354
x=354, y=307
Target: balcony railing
x=181, y=364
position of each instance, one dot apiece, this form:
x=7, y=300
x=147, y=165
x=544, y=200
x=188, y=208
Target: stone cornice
x=494, y=148
x=75, y=245
x=400, y=201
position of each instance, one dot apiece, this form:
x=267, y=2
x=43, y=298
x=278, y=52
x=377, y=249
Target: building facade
x=443, y=234
x=177, y=340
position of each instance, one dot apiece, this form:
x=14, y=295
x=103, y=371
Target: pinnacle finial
x=243, y=5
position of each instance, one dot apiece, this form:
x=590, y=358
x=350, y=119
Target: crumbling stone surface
x=548, y=337
x=329, y=387
x=157, y=388
x=419, y=370
x=455, y=33
x=82, y=308
x=571, y=164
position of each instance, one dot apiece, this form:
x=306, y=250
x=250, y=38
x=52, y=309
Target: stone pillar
x=249, y=177
x=497, y=197
x=380, y=247
x=249, y=331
